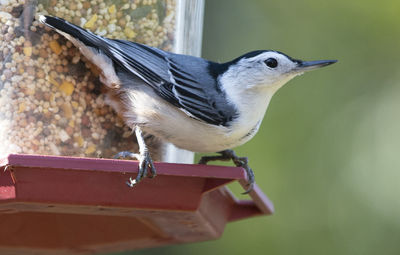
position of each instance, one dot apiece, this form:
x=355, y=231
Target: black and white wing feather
x=179, y=79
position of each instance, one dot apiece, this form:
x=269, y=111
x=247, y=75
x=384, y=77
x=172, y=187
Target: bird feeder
x=53, y=204
x=51, y=99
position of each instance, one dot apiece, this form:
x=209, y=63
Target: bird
x=193, y=103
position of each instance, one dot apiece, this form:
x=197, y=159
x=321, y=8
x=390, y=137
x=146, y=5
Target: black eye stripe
x=271, y=62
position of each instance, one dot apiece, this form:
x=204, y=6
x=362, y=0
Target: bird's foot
x=227, y=155
x=145, y=164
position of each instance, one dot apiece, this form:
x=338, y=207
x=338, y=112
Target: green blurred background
x=327, y=152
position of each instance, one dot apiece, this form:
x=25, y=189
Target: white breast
x=158, y=117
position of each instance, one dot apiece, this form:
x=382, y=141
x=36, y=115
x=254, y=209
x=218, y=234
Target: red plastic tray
x=70, y=205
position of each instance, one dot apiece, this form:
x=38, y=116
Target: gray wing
x=182, y=80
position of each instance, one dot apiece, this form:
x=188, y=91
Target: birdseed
x=51, y=99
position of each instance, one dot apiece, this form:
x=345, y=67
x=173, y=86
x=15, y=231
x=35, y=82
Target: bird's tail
x=71, y=31
x=94, y=47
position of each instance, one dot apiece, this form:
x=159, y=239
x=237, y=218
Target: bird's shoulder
x=188, y=82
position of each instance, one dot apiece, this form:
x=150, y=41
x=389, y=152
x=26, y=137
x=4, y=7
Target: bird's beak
x=304, y=66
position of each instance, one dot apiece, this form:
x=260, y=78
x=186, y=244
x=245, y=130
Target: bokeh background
x=327, y=152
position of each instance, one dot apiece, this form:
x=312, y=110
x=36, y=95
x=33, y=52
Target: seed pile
x=51, y=100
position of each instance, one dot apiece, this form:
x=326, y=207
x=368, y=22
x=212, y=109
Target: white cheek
x=270, y=77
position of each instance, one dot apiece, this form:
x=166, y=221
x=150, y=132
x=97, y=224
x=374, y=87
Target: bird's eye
x=271, y=62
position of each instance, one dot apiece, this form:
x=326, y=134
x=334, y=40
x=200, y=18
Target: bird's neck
x=257, y=101
x=251, y=107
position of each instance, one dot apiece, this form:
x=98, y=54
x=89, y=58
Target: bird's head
x=268, y=70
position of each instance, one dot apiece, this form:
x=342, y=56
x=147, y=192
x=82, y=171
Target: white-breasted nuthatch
x=195, y=104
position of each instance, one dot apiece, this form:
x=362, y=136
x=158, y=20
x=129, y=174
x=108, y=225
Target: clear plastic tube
x=51, y=99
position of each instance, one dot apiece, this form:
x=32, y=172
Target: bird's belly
x=158, y=117
x=197, y=136
x=199, y=141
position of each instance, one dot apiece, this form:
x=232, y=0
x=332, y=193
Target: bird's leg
x=227, y=155
x=145, y=161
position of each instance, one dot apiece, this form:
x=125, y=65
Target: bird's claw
x=243, y=162
x=126, y=155
x=145, y=164
x=131, y=182
x=238, y=161
x=250, y=178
